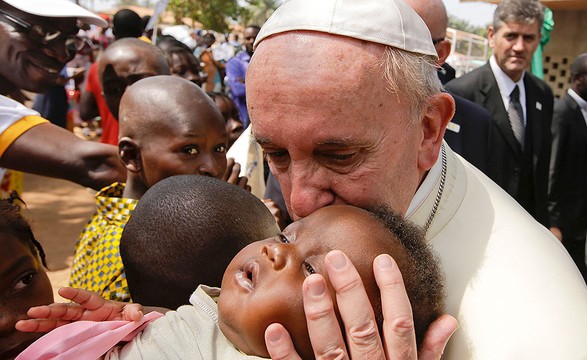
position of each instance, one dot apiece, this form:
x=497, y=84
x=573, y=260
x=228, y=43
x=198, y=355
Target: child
x=262, y=284
x=233, y=123
x=205, y=223
x=168, y=126
x=23, y=281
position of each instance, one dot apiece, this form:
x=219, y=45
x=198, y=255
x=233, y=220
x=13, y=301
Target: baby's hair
x=13, y=223
x=421, y=271
x=184, y=232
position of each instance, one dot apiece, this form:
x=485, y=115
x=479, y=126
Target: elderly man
x=520, y=104
x=345, y=101
x=37, y=39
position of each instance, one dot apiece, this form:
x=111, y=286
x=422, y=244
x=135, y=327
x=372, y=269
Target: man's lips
x=52, y=69
x=248, y=276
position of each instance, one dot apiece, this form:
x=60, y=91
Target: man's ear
x=443, y=50
x=438, y=114
x=490, y=35
x=130, y=154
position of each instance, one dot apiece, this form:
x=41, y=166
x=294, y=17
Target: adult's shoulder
x=465, y=81
x=531, y=79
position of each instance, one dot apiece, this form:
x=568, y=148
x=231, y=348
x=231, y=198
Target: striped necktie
x=516, y=116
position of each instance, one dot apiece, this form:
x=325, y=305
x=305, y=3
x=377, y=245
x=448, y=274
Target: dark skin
x=262, y=283
x=47, y=149
x=191, y=141
x=23, y=283
x=124, y=63
x=233, y=125
x=184, y=64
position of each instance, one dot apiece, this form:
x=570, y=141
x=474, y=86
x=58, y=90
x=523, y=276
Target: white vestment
x=512, y=286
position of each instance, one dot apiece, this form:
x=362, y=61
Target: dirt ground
x=58, y=211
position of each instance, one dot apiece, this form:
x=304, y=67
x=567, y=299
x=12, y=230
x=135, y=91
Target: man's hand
x=399, y=341
x=86, y=305
x=231, y=175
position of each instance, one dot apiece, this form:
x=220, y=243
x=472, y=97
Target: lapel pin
x=453, y=127
x=538, y=106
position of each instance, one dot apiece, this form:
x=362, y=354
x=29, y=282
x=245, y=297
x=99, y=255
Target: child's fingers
x=133, y=312
x=39, y=325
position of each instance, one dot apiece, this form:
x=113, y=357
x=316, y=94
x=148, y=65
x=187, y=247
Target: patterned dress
x=97, y=265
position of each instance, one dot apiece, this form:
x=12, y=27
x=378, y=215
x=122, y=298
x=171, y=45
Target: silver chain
x=440, y=190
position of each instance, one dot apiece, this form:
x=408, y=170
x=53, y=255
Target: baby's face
x=263, y=283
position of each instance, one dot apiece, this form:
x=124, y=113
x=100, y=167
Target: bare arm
x=49, y=150
x=88, y=108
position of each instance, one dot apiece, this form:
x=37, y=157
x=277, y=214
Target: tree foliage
x=213, y=14
x=464, y=25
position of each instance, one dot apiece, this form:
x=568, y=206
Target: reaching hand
x=231, y=175
x=399, y=340
x=85, y=305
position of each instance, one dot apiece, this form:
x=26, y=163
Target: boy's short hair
x=421, y=272
x=184, y=232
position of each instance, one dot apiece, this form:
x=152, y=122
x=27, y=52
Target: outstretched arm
x=86, y=305
x=49, y=150
x=399, y=341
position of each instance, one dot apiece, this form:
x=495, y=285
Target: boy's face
x=263, y=283
x=193, y=143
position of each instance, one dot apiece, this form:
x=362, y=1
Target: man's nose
x=309, y=191
x=59, y=51
x=519, y=43
x=276, y=254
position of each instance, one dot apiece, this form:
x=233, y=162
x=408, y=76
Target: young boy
x=168, y=126
x=262, y=284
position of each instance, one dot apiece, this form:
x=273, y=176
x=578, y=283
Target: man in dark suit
x=567, y=195
x=468, y=131
x=520, y=104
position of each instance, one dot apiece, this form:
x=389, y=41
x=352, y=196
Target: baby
x=263, y=282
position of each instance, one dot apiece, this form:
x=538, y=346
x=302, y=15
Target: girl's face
x=233, y=124
x=23, y=284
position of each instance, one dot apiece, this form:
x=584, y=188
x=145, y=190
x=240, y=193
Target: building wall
x=568, y=39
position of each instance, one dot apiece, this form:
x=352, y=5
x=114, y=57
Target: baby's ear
x=130, y=154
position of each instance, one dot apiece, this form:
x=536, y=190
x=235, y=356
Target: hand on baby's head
x=263, y=283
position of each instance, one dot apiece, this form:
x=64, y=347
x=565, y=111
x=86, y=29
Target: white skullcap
x=387, y=22
x=57, y=9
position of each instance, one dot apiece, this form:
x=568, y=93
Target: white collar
x=579, y=100
x=427, y=186
x=504, y=82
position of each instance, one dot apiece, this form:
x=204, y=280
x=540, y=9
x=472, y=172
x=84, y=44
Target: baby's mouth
x=246, y=277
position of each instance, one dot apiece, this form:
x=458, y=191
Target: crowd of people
x=373, y=211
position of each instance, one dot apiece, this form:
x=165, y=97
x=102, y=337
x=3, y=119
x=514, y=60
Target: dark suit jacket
x=507, y=161
x=470, y=136
x=568, y=170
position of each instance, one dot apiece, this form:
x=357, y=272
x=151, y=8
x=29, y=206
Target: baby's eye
x=309, y=268
x=190, y=150
x=283, y=239
x=220, y=148
x=24, y=281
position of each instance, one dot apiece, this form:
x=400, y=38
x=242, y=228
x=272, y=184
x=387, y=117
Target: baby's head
x=23, y=281
x=232, y=121
x=184, y=232
x=125, y=62
x=263, y=283
x=169, y=126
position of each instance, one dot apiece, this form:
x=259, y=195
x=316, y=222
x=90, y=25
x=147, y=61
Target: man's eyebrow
x=337, y=142
x=261, y=140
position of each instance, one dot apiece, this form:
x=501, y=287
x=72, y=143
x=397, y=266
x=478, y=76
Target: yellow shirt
x=97, y=265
